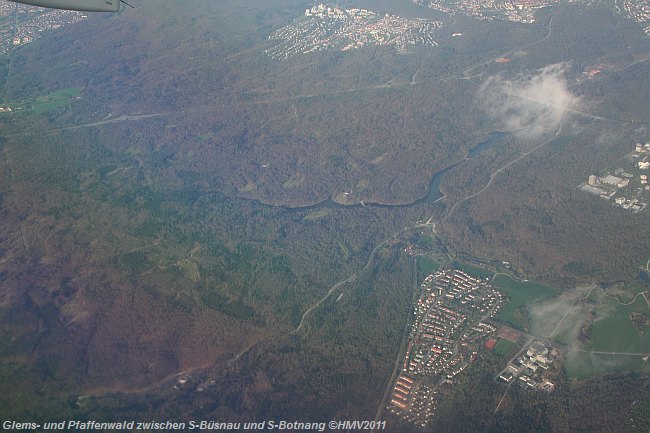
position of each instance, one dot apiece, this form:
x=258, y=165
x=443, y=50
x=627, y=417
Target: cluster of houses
x=413, y=401
x=638, y=10
x=329, y=27
x=29, y=22
x=523, y=11
x=446, y=333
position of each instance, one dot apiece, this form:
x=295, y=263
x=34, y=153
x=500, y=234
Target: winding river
x=434, y=194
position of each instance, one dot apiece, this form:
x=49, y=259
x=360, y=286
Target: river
x=433, y=193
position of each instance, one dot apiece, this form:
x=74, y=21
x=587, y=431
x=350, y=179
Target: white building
x=610, y=180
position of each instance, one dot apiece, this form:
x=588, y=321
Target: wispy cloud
x=562, y=316
x=531, y=103
x=569, y=320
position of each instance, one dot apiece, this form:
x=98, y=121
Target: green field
x=54, y=100
x=425, y=242
x=504, y=347
x=613, y=330
x=426, y=265
x=580, y=365
x=474, y=270
x=520, y=294
x=598, y=323
x=49, y=102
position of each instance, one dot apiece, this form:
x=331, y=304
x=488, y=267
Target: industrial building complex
x=627, y=185
x=530, y=367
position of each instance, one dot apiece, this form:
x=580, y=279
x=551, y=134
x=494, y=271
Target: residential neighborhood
x=523, y=11
x=326, y=27
x=637, y=10
x=448, y=329
x=21, y=24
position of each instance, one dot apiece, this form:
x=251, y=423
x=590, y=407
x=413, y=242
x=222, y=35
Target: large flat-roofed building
x=610, y=180
x=537, y=348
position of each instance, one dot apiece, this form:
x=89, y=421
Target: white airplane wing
x=76, y=5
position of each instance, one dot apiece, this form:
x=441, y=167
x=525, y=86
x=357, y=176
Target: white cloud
x=530, y=104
